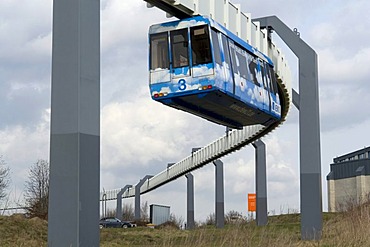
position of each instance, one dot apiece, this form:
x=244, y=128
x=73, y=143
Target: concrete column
x=119, y=201
x=190, y=223
x=75, y=124
x=361, y=185
x=220, y=211
x=331, y=193
x=261, y=187
x=309, y=127
x=137, y=197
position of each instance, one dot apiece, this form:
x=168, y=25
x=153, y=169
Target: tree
x=144, y=211
x=37, y=190
x=234, y=217
x=211, y=219
x=128, y=212
x=4, y=178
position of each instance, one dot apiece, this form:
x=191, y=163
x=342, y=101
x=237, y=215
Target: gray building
x=349, y=180
x=159, y=214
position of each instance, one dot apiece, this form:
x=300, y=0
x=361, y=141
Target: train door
x=180, y=70
x=159, y=58
x=202, y=64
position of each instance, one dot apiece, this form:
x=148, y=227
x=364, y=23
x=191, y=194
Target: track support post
x=119, y=201
x=261, y=187
x=220, y=211
x=190, y=223
x=307, y=102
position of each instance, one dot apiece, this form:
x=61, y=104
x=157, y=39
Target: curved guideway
x=234, y=140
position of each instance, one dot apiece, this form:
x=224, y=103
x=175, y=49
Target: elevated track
x=235, y=139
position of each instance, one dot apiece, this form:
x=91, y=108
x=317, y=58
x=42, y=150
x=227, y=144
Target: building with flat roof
x=349, y=180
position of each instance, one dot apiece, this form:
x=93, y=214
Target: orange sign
x=252, y=202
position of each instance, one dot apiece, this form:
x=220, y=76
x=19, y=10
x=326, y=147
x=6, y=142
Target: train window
x=234, y=63
x=243, y=70
x=179, y=44
x=264, y=75
x=226, y=49
x=200, y=43
x=271, y=75
x=216, y=47
x=159, y=51
x=253, y=68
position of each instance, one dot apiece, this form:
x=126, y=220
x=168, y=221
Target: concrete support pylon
x=73, y=218
x=119, y=201
x=261, y=183
x=137, y=197
x=190, y=223
x=307, y=102
x=220, y=208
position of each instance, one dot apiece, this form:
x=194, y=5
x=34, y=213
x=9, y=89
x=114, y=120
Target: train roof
x=204, y=20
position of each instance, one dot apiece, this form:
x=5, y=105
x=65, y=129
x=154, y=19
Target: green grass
x=339, y=230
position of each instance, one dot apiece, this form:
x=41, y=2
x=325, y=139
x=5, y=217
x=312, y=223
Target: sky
x=139, y=136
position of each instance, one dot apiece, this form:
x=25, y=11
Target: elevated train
x=198, y=66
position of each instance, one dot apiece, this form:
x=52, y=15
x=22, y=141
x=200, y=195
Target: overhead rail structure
x=240, y=24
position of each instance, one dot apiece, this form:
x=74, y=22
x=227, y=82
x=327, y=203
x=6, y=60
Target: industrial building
x=349, y=180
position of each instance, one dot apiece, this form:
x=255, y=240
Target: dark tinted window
x=253, y=69
x=242, y=63
x=226, y=49
x=200, y=43
x=159, y=51
x=264, y=74
x=271, y=75
x=216, y=47
x=233, y=58
x=179, y=43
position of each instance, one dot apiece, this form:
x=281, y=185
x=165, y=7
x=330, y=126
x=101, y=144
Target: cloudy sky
x=140, y=136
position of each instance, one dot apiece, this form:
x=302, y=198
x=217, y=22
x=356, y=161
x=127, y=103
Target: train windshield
x=180, y=54
x=159, y=51
x=201, y=46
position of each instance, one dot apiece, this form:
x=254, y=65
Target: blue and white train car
x=198, y=66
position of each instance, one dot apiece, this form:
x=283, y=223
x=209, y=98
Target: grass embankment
x=341, y=229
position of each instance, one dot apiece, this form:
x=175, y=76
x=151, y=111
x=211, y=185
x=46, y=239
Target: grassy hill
x=342, y=229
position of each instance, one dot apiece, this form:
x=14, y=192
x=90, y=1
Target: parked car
x=114, y=222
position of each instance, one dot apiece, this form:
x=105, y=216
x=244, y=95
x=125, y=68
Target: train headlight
x=205, y=87
x=158, y=95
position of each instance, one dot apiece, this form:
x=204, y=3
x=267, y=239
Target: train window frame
x=203, y=55
x=253, y=59
x=216, y=47
x=234, y=66
x=271, y=74
x=264, y=74
x=225, y=47
x=180, y=48
x=163, y=50
x=242, y=67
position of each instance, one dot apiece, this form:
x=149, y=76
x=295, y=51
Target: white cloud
x=140, y=136
x=144, y=131
x=344, y=70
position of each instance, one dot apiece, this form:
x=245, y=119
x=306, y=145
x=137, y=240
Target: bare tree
x=234, y=217
x=128, y=212
x=211, y=219
x=37, y=190
x=4, y=178
x=144, y=211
